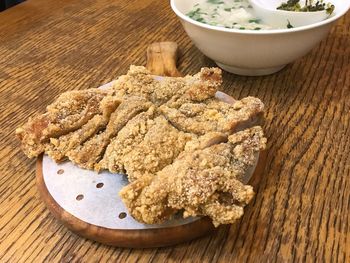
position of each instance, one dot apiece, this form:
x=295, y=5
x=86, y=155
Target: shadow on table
x=4, y=4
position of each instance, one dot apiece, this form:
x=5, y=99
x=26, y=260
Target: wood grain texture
x=301, y=212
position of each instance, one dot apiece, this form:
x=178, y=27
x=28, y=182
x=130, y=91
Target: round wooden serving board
x=135, y=238
x=151, y=237
x=88, y=203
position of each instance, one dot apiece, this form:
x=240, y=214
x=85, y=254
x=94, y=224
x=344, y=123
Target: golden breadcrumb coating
x=183, y=147
x=201, y=182
x=129, y=136
x=138, y=81
x=91, y=152
x=145, y=145
x=74, y=109
x=160, y=146
x=58, y=148
x=69, y=112
x=214, y=115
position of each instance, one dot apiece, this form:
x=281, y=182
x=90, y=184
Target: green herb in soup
x=236, y=14
x=239, y=14
x=309, y=6
x=289, y=25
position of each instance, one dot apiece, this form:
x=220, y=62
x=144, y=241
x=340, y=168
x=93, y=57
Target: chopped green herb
x=197, y=15
x=257, y=21
x=193, y=12
x=216, y=2
x=223, y=13
x=330, y=9
x=294, y=5
x=289, y=25
x=291, y=5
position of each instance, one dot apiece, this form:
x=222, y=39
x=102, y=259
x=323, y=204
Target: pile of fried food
x=182, y=148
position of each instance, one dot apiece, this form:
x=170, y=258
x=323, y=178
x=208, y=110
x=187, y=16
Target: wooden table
x=302, y=208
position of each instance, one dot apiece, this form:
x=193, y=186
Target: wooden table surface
x=302, y=208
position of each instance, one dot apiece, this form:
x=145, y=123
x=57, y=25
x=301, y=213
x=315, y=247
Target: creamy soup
x=239, y=14
x=236, y=14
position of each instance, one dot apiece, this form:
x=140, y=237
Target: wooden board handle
x=162, y=58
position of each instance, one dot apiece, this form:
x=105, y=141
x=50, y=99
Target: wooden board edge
x=146, y=238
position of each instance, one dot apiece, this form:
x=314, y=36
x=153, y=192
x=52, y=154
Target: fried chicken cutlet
x=188, y=105
x=203, y=182
x=68, y=113
x=58, y=148
x=214, y=115
x=74, y=109
x=144, y=146
x=149, y=142
x=139, y=82
x=91, y=152
x=181, y=147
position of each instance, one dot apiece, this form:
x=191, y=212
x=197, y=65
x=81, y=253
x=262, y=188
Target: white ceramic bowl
x=250, y=52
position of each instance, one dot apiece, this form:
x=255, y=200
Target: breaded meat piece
x=203, y=182
x=148, y=143
x=129, y=136
x=144, y=146
x=159, y=147
x=139, y=82
x=92, y=151
x=68, y=113
x=214, y=115
x=74, y=109
x=58, y=148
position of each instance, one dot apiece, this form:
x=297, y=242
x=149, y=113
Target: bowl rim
x=258, y=32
